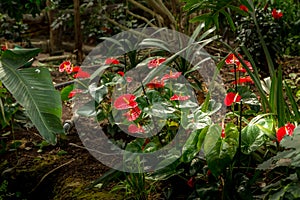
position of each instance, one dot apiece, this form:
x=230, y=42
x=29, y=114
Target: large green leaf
x=289, y=157
x=34, y=90
x=214, y=7
x=218, y=151
x=18, y=57
x=248, y=96
x=193, y=145
x=255, y=134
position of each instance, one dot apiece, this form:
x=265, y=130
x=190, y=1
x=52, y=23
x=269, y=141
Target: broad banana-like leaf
x=34, y=90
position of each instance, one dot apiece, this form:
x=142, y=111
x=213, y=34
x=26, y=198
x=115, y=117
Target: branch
x=142, y=18
x=167, y=12
x=124, y=27
x=160, y=7
x=159, y=18
x=53, y=170
x=116, y=23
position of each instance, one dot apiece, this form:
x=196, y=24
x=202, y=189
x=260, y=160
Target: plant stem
x=240, y=135
x=235, y=78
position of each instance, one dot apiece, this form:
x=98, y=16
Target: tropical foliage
x=147, y=97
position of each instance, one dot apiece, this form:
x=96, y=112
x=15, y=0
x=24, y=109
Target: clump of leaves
x=287, y=160
x=247, y=34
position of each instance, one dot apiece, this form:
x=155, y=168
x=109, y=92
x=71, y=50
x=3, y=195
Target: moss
x=72, y=188
x=39, y=164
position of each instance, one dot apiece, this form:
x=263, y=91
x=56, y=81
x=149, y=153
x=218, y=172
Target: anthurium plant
x=217, y=154
x=219, y=159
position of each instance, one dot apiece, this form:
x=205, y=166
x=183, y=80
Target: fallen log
x=56, y=58
x=66, y=46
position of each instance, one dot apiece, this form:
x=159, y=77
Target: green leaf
x=97, y=92
x=87, y=110
x=220, y=152
x=213, y=107
x=215, y=18
x=201, y=137
x=292, y=142
x=291, y=152
x=196, y=120
x=248, y=96
x=201, y=18
x=281, y=104
x=167, y=172
x=254, y=76
x=229, y=19
x=153, y=42
x=294, y=190
x=34, y=90
x=246, y=3
x=17, y=58
x=65, y=92
x=254, y=135
x=160, y=110
x=190, y=148
x=293, y=102
x=196, y=33
x=187, y=104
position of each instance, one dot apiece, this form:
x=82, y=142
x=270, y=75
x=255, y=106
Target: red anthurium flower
x=4, y=48
x=120, y=73
x=276, y=14
x=129, y=79
x=125, y=101
x=179, y=97
x=155, y=84
x=231, y=97
x=76, y=69
x=223, y=135
x=113, y=61
x=171, y=76
x=240, y=67
x=80, y=73
x=132, y=128
x=74, y=92
x=241, y=80
x=288, y=129
x=208, y=173
x=191, y=182
x=66, y=66
x=232, y=59
x=133, y=113
x=155, y=62
x=244, y=8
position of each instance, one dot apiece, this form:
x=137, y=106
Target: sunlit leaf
x=255, y=134
x=34, y=90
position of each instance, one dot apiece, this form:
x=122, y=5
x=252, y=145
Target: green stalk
x=281, y=104
x=262, y=41
x=293, y=102
x=255, y=77
x=239, y=150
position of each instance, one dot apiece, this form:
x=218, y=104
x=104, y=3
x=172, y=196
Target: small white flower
x=37, y=71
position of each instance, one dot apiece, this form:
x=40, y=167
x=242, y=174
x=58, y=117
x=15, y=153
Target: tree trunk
x=78, y=36
x=55, y=36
